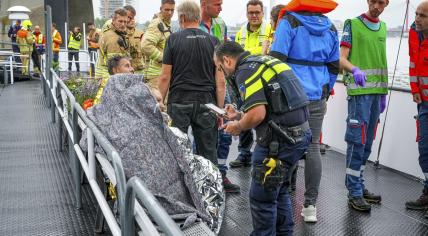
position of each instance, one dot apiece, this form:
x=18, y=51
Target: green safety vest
x=253, y=41
x=73, y=43
x=369, y=54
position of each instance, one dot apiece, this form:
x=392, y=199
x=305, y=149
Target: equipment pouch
x=277, y=101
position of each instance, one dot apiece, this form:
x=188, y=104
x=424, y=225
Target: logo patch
x=242, y=91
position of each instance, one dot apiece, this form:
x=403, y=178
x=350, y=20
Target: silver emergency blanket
x=189, y=187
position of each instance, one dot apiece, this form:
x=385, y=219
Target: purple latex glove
x=382, y=103
x=359, y=77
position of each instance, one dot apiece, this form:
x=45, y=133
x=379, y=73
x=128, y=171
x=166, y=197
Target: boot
x=229, y=187
x=240, y=162
x=359, y=204
x=421, y=203
x=371, y=198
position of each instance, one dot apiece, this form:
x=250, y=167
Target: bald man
x=418, y=71
x=363, y=59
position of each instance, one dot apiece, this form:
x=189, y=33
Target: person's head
x=27, y=24
x=131, y=13
x=119, y=65
x=212, y=8
x=188, y=12
x=91, y=26
x=120, y=19
x=18, y=22
x=421, y=19
x=226, y=56
x=37, y=29
x=255, y=12
x=53, y=26
x=274, y=14
x=376, y=7
x=167, y=9
x=76, y=29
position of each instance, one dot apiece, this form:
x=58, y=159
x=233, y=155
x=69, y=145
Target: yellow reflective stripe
x=276, y=69
x=155, y=55
x=253, y=89
x=255, y=75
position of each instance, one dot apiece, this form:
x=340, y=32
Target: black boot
x=359, y=204
x=228, y=186
x=371, y=198
x=421, y=203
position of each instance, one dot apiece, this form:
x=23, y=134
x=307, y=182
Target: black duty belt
x=291, y=134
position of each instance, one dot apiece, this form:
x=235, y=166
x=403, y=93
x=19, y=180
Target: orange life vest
x=316, y=6
x=418, y=67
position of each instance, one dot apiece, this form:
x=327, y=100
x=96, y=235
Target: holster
x=274, y=180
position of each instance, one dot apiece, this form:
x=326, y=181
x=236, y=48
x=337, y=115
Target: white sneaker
x=309, y=214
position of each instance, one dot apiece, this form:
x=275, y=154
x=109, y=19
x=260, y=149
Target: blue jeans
x=246, y=141
x=224, y=142
x=271, y=210
x=423, y=139
x=362, y=122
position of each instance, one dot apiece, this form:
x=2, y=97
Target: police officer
x=135, y=35
x=274, y=103
x=114, y=41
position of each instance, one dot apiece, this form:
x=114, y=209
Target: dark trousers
x=203, y=123
x=75, y=55
x=271, y=209
x=36, y=59
x=423, y=138
x=246, y=141
x=91, y=55
x=15, y=49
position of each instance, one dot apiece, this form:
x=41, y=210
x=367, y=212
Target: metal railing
x=62, y=102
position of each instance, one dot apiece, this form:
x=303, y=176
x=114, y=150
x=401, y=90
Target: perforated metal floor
x=334, y=216
x=36, y=195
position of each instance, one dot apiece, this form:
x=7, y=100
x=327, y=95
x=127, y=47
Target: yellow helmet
x=26, y=24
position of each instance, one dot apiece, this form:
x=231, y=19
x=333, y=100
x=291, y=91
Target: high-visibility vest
x=418, y=67
x=369, y=54
x=73, y=43
x=253, y=41
x=57, y=40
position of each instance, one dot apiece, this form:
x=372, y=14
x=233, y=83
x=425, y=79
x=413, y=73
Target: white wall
x=399, y=150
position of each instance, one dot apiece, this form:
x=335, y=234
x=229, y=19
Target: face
x=376, y=7
x=120, y=22
x=421, y=19
x=124, y=67
x=167, y=11
x=131, y=20
x=226, y=65
x=255, y=15
x=212, y=7
x=76, y=29
x=37, y=29
x=91, y=27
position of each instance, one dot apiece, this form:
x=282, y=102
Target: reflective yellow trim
x=253, y=89
x=255, y=75
x=268, y=75
x=277, y=69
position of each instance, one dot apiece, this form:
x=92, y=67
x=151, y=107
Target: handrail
x=136, y=189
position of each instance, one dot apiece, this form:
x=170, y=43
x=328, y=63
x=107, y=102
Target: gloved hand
x=359, y=77
x=382, y=103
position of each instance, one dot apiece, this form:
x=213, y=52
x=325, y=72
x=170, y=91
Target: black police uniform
x=282, y=138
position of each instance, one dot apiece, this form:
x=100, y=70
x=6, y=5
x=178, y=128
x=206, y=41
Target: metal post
x=60, y=127
x=76, y=165
x=11, y=70
x=85, y=42
x=66, y=35
x=49, y=53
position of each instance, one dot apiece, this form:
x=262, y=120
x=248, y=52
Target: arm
x=345, y=64
x=333, y=63
x=251, y=119
x=220, y=87
x=57, y=38
x=164, y=80
x=150, y=41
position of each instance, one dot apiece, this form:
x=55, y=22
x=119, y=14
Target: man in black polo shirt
x=189, y=72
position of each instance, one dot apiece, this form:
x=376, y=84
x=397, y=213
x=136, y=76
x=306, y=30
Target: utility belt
x=271, y=131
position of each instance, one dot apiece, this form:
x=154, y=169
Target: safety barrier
x=62, y=102
x=7, y=62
